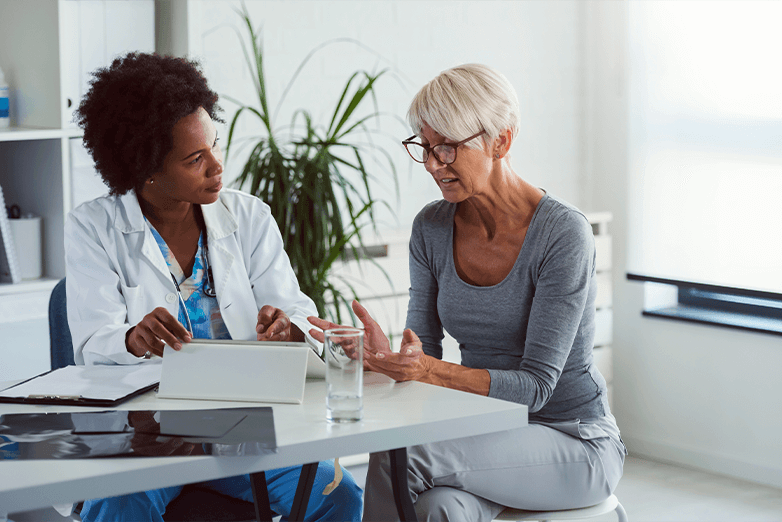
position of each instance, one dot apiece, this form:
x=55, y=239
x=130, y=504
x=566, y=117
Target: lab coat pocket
x=135, y=302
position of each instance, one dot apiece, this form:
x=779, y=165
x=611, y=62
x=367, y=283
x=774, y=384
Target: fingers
x=266, y=317
x=279, y=327
x=317, y=335
x=280, y=330
x=323, y=325
x=409, y=336
x=273, y=324
x=169, y=330
x=395, y=365
x=411, y=344
x=410, y=350
x=363, y=315
x=369, y=366
x=375, y=339
x=145, y=341
x=154, y=331
x=175, y=327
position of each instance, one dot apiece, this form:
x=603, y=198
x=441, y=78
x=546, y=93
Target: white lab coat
x=116, y=273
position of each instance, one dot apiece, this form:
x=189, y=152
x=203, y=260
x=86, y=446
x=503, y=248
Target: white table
x=396, y=415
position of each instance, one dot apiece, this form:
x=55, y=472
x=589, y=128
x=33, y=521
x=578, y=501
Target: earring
x=151, y=181
x=497, y=155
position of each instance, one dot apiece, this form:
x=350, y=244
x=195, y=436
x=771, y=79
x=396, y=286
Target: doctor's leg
x=145, y=505
x=342, y=504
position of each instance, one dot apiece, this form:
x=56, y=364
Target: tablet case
x=230, y=370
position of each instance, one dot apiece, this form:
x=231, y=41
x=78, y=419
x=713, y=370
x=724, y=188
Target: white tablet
x=252, y=371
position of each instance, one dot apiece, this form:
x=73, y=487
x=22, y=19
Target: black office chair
x=194, y=504
x=60, y=343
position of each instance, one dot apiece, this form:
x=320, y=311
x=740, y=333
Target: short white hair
x=464, y=100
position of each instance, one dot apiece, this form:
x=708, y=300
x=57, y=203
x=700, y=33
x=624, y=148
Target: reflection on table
x=141, y=433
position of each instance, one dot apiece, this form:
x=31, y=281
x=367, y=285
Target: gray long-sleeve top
x=533, y=331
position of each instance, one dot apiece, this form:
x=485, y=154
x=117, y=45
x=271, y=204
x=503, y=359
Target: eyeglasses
x=445, y=153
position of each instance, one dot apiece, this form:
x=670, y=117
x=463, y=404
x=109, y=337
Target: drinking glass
x=344, y=349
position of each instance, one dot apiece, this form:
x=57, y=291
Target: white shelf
x=34, y=285
x=47, y=50
x=599, y=217
x=604, y=319
x=28, y=133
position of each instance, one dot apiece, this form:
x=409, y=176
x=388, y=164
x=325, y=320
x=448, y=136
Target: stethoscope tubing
x=184, y=307
x=209, y=281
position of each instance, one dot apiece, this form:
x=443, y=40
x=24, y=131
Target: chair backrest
x=60, y=342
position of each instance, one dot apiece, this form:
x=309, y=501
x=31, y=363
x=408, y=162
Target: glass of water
x=344, y=349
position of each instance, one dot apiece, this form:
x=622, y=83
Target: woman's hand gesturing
x=152, y=333
x=375, y=340
x=409, y=364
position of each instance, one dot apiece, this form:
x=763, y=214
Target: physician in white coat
x=170, y=256
x=110, y=245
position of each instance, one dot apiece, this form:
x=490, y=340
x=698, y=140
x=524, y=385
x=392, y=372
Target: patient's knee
x=441, y=504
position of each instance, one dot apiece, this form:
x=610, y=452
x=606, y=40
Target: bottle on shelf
x=5, y=120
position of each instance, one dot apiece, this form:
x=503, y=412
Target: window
x=709, y=304
x=706, y=143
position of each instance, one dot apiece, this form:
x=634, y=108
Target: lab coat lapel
x=129, y=219
x=234, y=293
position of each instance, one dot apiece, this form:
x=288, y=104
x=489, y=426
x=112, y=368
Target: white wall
x=535, y=44
x=701, y=396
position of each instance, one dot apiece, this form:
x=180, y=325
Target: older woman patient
x=509, y=271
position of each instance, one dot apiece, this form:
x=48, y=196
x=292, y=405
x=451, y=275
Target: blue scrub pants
x=343, y=504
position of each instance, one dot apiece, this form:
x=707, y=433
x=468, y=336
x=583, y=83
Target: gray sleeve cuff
x=504, y=385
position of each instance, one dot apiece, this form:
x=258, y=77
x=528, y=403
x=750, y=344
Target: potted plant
x=314, y=179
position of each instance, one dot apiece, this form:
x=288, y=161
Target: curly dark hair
x=130, y=110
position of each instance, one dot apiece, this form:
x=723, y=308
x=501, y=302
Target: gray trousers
x=475, y=478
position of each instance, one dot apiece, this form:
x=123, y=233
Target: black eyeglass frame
x=431, y=150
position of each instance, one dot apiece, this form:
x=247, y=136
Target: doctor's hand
x=275, y=325
x=152, y=333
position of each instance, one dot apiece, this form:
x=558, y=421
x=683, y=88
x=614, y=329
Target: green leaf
x=313, y=177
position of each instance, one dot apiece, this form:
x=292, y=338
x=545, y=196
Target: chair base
x=608, y=505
